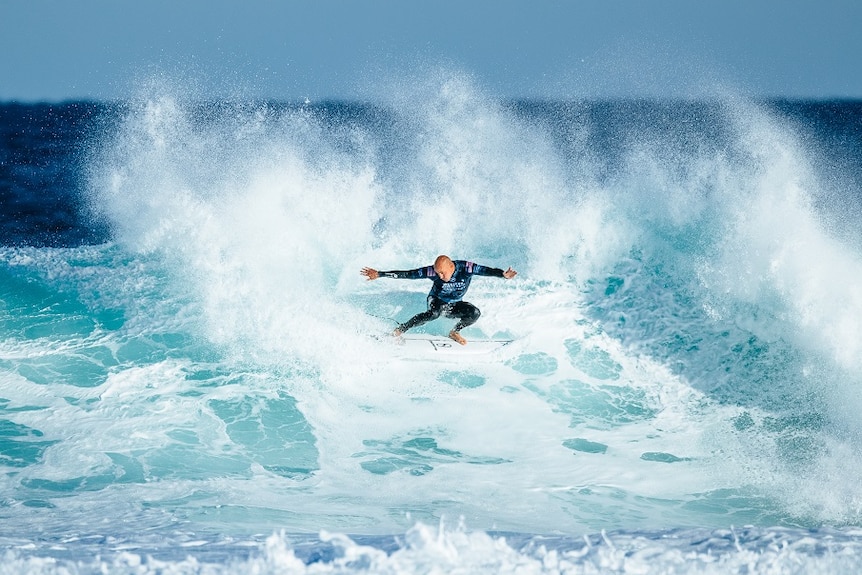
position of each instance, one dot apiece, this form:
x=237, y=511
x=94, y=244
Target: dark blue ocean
x=195, y=378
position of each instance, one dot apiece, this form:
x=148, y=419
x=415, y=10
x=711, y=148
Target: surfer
x=451, y=279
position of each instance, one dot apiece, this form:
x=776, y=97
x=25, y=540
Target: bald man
x=451, y=280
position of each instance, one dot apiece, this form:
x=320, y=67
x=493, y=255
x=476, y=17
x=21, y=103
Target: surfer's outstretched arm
x=418, y=273
x=481, y=270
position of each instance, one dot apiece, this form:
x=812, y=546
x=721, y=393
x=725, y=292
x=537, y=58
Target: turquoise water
x=205, y=388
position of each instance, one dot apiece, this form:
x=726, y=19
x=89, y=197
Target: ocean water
x=193, y=378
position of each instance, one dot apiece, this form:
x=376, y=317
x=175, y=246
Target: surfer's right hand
x=370, y=273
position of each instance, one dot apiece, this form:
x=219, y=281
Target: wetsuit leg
x=435, y=307
x=466, y=312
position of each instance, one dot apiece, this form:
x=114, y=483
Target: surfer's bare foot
x=397, y=333
x=457, y=337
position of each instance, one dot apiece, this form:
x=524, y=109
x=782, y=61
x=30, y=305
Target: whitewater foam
x=691, y=223
x=217, y=367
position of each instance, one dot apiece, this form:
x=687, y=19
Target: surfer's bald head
x=444, y=267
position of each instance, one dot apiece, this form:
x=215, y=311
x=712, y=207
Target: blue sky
x=288, y=50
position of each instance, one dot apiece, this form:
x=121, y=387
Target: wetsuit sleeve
x=418, y=273
x=478, y=270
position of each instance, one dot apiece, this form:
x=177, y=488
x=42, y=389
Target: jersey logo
x=454, y=286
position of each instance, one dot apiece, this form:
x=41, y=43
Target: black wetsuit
x=445, y=297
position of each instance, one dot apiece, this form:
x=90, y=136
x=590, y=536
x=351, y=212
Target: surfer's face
x=445, y=269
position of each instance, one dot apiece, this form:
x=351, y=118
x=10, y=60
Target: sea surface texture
x=195, y=378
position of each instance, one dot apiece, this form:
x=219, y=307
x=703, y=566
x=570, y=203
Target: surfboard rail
x=442, y=344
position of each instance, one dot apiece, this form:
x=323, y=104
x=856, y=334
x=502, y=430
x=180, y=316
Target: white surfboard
x=436, y=344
